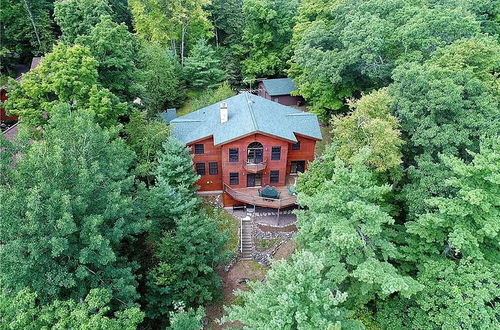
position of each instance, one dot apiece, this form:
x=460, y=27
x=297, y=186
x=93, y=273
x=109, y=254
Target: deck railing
x=261, y=201
x=254, y=167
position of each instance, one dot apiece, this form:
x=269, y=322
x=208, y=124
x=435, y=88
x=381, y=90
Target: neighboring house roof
x=35, y=61
x=282, y=86
x=169, y=115
x=11, y=133
x=247, y=114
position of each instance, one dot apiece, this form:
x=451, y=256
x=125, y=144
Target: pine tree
x=66, y=210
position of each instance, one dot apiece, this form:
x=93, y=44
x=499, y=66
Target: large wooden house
x=249, y=148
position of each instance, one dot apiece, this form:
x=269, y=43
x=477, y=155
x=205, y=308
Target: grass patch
x=265, y=244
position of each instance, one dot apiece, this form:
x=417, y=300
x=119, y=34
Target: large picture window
x=233, y=155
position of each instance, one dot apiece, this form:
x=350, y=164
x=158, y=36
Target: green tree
x=187, y=257
x=66, y=75
x=115, y=48
x=66, y=209
x=298, y=294
x=227, y=19
x=210, y=96
x=145, y=137
x=203, y=68
x=190, y=319
x=22, y=311
x=370, y=125
x=266, y=36
x=348, y=218
x=174, y=194
x=161, y=78
x=26, y=27
x=171, y=24
x=466, y=222
x=444, y=109
x=78, y=17
x=336, y=58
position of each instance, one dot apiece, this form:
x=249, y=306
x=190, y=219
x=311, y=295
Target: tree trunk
x=30, y=16
x=183, y=36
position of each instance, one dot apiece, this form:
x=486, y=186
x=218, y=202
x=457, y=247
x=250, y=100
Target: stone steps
x=246, y=239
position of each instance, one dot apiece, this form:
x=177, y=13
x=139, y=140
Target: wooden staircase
x=246, y=241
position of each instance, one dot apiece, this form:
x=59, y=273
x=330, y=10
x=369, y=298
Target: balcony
x=251, y=196
x=253, y=167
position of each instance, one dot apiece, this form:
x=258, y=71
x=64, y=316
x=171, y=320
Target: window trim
x=278, y=153
x=213, y=170
x=233, y=175
x=196, y=151
x=237, y=159
x=274, y=174
x=201, y=167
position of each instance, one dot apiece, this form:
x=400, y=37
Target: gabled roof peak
x=247, y=113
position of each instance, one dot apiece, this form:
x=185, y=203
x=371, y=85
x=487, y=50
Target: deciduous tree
x=23, y=311
x=66, y=75
x=78, y=17
x=266, y=36
x=115, y=48
x=370, y=126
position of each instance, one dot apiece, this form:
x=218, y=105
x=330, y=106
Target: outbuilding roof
x=281, y=86
x=247, y=114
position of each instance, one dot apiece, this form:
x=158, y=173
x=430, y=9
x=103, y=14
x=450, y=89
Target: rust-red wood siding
x=220, y=154
x=212, y=154
x=3, y=113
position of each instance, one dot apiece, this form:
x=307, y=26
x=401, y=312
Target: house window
x=297, y=166
x=233, y=155
x=234, y=178
x=199, y=149
x=276, y=99
x=200, y=168
x=213, y=168
x=296, y=146
x=275, y=153
x=274, y=176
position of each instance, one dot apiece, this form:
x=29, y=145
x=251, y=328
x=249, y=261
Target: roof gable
x=281, y=86
x=247, y=114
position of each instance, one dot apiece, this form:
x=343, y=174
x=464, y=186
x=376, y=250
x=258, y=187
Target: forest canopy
x=399, y=217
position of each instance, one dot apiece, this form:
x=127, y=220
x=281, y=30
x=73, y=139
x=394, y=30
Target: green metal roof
x=282, y=86
x=247, y=113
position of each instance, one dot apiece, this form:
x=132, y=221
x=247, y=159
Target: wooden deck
x=251, y=196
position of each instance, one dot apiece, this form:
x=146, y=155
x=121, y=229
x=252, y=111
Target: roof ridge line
x=250, y=109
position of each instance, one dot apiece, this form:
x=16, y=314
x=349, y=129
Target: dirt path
x=242, y=269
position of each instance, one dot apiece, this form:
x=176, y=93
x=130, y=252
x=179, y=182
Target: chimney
x=223, y=112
